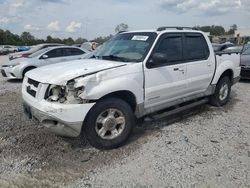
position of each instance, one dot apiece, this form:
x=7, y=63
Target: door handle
x=209, y=64
x=178, y=69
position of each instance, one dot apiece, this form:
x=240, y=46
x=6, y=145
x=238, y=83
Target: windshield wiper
x=115, y=58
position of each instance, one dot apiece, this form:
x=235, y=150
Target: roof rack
x=176, y=27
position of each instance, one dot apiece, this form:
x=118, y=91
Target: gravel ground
x=205, y=147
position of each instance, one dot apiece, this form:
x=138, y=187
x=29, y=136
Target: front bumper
x=10, y=73
x=62, y=119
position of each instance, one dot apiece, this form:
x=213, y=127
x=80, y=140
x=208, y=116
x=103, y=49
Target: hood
x=61, y=73
x=15, y=61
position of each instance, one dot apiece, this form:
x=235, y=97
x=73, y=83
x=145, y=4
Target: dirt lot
x=209, y=147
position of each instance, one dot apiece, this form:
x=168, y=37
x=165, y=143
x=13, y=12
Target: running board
x=176, y=110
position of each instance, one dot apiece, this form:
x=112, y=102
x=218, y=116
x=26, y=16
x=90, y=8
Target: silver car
x=17, y=68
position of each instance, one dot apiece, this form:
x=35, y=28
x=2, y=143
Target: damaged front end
x=69, y=94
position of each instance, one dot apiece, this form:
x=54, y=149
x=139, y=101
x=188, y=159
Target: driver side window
x=172, y=47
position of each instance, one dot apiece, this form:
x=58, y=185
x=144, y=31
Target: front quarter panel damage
x=129, y=78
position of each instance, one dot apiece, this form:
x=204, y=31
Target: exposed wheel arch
x=124, y=95
x=229, y=73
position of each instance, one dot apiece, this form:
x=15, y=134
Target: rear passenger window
x=55, y=53
x=73, y=51
x=196, y=47
x=172, y=47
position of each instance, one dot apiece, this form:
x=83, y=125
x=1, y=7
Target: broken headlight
x=64, y=94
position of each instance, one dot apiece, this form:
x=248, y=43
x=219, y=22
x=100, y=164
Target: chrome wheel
x=110, y=124
x=223, y=93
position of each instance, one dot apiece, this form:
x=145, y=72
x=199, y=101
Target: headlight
x=64, y=94
x=11, y=66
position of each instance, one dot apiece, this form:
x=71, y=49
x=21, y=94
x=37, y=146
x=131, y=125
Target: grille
x=30, y=91
x=32, y=86
x=33, y=82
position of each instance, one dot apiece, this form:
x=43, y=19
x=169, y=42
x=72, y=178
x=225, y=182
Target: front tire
x=109, y=123
x=222, y=92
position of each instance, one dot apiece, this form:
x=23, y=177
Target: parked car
x=23, y=48
x=17, y=68
x=233, y=49
x=132, y=75
x=245, y=64
x=3, y=51
x=6, y=49
x=32, y=50
x=221, y=47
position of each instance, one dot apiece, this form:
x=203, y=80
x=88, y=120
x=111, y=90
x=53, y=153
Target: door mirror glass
x=158, y=59
x=45, y=56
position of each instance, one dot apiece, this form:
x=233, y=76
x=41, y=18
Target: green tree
x=121, y=27
x=27, y=38
x=80, y=40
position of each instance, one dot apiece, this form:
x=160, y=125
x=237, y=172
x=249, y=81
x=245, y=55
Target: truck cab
x=134, y=74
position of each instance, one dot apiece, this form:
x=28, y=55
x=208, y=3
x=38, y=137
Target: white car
x=134, y=74
x=5, y=49
x=17, y=68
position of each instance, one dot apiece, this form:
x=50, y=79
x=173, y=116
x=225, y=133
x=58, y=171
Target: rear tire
x=108, y=124
x=222, y=92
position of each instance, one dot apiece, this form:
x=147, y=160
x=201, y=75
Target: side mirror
x=45, y=57
x=157, y=59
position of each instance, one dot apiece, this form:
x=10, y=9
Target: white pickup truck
x=132, y=75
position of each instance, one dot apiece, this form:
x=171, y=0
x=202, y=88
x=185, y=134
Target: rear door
x=200, y=63
x=166, y=82
x=72, y=53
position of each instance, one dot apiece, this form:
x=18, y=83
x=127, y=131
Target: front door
x=165, y=82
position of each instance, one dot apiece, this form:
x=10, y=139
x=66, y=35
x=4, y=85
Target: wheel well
x=229, y=74
x=127, y=96
x=27, y=69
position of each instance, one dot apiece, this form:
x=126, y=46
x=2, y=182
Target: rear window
x=72, y=51
x=196, y=47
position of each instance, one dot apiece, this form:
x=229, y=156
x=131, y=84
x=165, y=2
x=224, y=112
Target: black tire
x=90, y=124
x=215, y=99
x=27, y=70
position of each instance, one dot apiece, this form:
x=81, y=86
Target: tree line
x=26, y=38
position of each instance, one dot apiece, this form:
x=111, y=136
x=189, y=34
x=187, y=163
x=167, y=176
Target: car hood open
x=61, y=73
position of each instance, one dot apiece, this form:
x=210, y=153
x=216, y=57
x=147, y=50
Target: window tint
x=72, y=51
x=55, y=53
x=172, y=47
x=196, y=47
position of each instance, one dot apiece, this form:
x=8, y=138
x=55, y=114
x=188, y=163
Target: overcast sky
x=92, y=18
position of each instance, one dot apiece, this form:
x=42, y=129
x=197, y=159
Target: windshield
x=39, y=52
x=127, y=47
